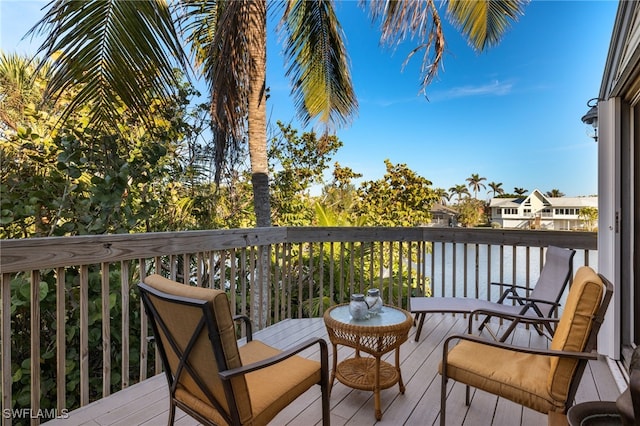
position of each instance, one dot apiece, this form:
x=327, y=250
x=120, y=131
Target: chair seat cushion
x=270, y=389
x=273, y=388
x=512, y=375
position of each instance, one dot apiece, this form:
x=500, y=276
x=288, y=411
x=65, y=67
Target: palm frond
x=484, y=22
x=112, y=51
x=217, y=32
x=318, y=68
x=419, y=19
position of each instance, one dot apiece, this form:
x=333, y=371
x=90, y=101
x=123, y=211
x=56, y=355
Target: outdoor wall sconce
x=591, y=117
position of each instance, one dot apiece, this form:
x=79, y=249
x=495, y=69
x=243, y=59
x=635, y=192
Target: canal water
x=479, y=272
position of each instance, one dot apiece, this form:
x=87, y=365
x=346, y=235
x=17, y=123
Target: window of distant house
x=567, y=212
x=509, y=211
x=527, y=211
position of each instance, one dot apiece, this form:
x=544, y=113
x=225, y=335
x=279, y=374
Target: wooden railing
x=75, y=297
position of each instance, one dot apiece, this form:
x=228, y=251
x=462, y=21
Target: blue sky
x=511, y=114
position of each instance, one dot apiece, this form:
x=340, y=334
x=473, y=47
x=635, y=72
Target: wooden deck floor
x=146, y=403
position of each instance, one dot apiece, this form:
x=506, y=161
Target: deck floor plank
x=146, y=403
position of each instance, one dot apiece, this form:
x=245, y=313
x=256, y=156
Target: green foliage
x=21, y=326
x=471, y=212
x=589, y=217
x=296, y=163
x=458, y=191
x=400, y=198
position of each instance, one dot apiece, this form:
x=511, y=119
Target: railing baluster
x=124, y=327
x=489, y=263
x=321, y=280
x=310, y=282
x=35, y=345
x=5, y=340
x=84, y=335
x=331, y=271
x=144, y=327
x=106, y=329
x=61, y=341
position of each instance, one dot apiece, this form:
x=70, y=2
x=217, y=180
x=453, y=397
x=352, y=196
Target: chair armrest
x=508, y=316
x=522, y=349
x=530, y=300
x=513, y=286
x=247, y=323
x=239, y=371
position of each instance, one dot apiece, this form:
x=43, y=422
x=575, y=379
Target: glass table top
x=388, y=316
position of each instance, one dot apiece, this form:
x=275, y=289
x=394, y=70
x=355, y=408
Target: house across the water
x=537, y=211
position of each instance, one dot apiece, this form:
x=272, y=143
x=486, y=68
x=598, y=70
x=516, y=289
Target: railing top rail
x=42, y=253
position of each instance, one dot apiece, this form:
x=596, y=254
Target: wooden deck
x=146, y=403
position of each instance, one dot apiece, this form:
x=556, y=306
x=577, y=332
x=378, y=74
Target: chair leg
x=420, y=315
x=467, y=394
x=326, y=416
x=509, y=330
x=325, y=384
x=172, y=413
x=443, y=401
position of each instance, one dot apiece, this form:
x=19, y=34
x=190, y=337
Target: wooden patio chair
x=210, y=377
x=544, y=380
x=540, y=301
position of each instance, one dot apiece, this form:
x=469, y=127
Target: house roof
x=551, y=201
x=440, y=208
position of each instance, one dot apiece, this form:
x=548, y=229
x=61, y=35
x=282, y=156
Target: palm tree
x=520, y=191
x=459, y=190
x=475, y=183
x=442, y=196
x=19, y=87
x=496, y=188
x=124, y=50
x=114, y=50
x=554, y=193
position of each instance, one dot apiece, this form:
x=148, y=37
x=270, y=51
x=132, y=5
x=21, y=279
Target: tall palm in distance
x=496, y=188
x=475, y=183
x=442, y=196
x=459, y=190
x=555, y=193
x=520, y=191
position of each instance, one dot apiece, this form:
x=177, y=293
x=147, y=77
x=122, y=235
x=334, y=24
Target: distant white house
x=537, y=211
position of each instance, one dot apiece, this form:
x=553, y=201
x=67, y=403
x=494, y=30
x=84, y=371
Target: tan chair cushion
x=519, y=377
x=272, y=389
x=536, y=381
x=260, y=395
x=572, y=333
x=202, y=357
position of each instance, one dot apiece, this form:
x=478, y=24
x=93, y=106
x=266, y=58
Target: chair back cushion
x=574, y=328
x=554, y=277
x=181, y=321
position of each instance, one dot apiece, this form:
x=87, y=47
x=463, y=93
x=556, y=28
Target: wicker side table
x=376, y=336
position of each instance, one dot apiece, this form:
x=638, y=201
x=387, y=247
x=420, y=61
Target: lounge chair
x=540, y=301
x=544, y=380
x=209, y=376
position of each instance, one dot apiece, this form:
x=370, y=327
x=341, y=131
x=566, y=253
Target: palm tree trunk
x=257, y=132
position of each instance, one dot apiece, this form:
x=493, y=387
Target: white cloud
x=496, y=88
